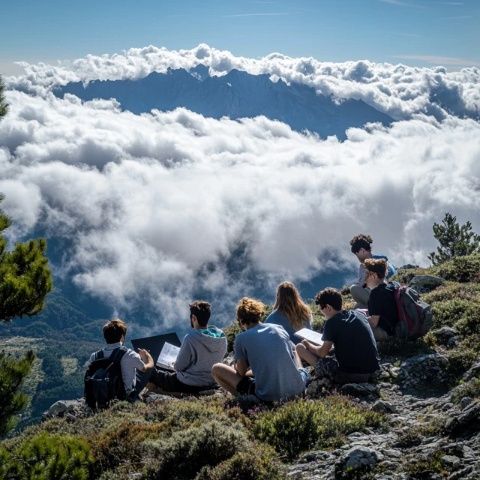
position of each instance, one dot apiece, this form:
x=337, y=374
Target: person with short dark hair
x=290, y=311
x=114, y=333
x=201, y=348
x=382, y=308
x=361, y=247
x=266, y=364
x=348, y=331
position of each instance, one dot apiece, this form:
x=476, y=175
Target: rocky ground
x=428, y=436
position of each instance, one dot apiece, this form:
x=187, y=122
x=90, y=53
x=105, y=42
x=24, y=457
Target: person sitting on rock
x=266, y=364
x=361, y=247
x=114, y=333
x=290, y=311
x=201, y=348
x=348, y=331
x=382, y=308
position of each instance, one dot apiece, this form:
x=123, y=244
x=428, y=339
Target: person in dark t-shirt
x=382, y=308
x=348, y=331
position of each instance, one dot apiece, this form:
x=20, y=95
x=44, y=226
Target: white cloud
x=398, y=90
x=160, y=205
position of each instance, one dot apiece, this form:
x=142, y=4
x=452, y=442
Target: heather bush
x=258, y=462
x=304, y=424
x=184, y=453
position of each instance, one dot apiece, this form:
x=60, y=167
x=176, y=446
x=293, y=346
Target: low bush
x=186, y=452
x=259, y=462
x=467, y=389
x=301, y=425
x=460, y=269
x=47, y=457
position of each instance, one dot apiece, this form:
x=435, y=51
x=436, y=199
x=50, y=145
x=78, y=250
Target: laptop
x=161, y=347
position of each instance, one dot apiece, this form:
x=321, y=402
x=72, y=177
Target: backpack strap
x=117, y=355
x=99, y=355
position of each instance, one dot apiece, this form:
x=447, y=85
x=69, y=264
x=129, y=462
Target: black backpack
x=103, y=379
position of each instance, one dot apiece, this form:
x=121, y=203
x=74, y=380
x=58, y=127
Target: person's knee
x=219, y=369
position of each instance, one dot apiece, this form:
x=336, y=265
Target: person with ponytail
x=290, y=311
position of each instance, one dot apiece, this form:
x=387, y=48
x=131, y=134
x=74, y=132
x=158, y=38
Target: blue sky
x=415, y=32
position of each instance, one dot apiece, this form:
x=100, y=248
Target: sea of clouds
x=160, y=205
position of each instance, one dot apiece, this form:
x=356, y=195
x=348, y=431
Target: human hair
x=290, y=303
x=114, y=330
x=250, y=310
x=361, y=241
x=376, y=265
x=202, y=311
x=329, y=296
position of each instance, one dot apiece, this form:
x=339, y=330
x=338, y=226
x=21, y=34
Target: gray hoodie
x=200, y=350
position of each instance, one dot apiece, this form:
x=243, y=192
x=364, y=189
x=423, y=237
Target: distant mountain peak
x=238, y=94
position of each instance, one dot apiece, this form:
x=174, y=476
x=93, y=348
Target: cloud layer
x=162, y=205
x=397, y=90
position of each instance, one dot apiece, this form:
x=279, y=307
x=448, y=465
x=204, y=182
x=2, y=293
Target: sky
x=412, y=32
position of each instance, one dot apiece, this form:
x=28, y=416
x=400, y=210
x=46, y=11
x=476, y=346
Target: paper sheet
x=310, y=335
x=168, y=355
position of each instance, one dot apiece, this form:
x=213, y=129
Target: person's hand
x=144, y=355
x=306, y=344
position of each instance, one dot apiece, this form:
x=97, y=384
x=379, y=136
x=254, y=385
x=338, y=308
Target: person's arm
x=374, y=308
x=242, y=367
x=373, y=320
x=318, y=350
x=185, y=356
x=147, y=360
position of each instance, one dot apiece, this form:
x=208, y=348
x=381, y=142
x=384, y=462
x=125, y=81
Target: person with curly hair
x=382, y=307
x=266, y=364
x=361, y=247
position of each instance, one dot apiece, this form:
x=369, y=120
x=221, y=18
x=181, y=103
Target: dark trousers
x=328, y=367
x=169, y=382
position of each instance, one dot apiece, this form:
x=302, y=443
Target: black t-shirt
x=382, y=302
x=352, y=337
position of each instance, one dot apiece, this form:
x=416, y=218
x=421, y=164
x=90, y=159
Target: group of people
x=269, y=360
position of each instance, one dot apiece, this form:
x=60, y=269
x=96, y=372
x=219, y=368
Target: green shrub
x=301, y=425
x=467, y=389
x=259, y=462
x=48, y=457
x=460, y=269
x=184, y=454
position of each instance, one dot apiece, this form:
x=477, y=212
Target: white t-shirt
x=130, y=362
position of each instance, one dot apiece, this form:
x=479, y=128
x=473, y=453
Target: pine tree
x=25, y=280
x=455, y=240
x=12, y=373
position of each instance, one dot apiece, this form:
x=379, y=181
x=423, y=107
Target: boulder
x=446, y=336
x=360, y=390
x=62, y=408
x=357, y=460
x=381, y=406
x=473, y=372
x=425, y=283
x=465, y=424
x=426, y=371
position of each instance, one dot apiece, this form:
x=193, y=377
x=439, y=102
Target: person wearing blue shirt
x=290, y=311
x=361, y=247
x=266, y=364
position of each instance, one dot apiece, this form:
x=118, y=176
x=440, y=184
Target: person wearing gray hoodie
x=201, y=349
